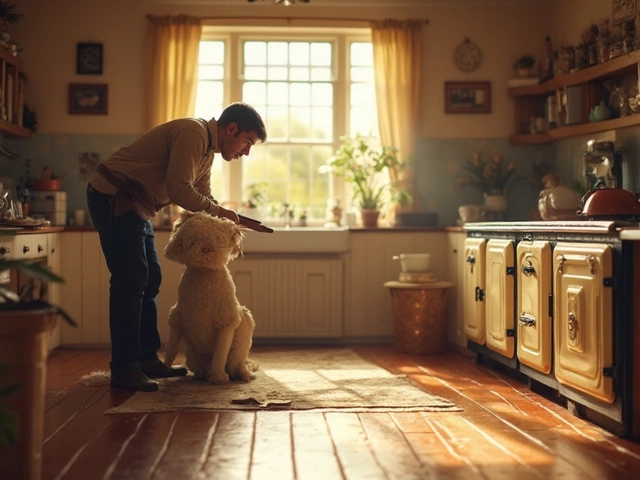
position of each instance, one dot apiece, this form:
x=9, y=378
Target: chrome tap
x=286, y=215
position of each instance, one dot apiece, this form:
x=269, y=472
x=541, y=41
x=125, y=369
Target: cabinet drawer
x=29, y=246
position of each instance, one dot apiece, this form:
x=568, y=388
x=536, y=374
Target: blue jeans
x=129, y=247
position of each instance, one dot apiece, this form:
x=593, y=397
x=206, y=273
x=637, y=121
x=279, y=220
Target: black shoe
x=159, y=370
x=135, y=380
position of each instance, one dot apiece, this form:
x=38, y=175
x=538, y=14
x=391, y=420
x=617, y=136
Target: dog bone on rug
x=261, y=403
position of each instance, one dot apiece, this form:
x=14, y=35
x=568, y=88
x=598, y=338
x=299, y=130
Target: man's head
x=239, y=128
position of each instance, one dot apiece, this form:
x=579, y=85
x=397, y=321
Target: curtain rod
x=289, y=19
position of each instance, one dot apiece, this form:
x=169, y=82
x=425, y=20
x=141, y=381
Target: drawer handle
x=40, y=248
x=25, y=248
x=526, y=320
x=573, y=326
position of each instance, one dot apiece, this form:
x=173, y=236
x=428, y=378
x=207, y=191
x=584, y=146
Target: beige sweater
x=171, y=161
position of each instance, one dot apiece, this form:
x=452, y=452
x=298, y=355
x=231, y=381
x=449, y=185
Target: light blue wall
x=439, y=163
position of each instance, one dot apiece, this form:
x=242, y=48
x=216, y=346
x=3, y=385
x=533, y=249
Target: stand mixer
x=602, y=165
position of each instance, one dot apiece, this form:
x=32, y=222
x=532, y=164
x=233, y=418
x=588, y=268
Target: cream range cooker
x=558, y=302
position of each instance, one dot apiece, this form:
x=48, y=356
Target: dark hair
x=247, y=118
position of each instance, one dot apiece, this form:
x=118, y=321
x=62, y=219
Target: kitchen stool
x=420, y=316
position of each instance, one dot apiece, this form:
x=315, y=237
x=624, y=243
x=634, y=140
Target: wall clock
x=467, y=56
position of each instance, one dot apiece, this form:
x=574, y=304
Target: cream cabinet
x=455, y=272
x=53, y=289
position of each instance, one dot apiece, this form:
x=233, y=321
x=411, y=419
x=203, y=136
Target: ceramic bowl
x=414, y=262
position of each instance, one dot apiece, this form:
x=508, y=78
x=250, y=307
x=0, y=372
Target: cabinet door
x=171, y=273
x=500, y=291
x=53, y=289
x=71, y=289
x=455, y=270
x=534, y=318
x=473, y=293
x=583, y=318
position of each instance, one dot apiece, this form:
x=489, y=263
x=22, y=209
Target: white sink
x=298, y=240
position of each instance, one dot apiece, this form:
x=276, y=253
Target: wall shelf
x=530, y=101
x=13, y=83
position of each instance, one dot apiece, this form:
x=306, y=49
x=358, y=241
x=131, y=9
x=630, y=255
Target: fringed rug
x=328, y=379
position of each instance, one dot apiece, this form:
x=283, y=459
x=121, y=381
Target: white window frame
x=233, y=37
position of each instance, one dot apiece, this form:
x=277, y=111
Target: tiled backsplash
x=439, y=162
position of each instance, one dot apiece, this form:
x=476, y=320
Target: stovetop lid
x=576, y=226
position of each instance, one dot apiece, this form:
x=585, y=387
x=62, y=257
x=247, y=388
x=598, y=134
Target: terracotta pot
x=369, y=217
x=23, y=350
x=609, y=203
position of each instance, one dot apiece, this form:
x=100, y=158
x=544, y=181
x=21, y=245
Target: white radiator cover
x=290, y=297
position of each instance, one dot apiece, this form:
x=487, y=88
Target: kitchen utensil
x=414, y=262
x=254, y=224
x=609, y=203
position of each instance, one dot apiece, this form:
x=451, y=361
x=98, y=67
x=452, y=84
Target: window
x=310, y=89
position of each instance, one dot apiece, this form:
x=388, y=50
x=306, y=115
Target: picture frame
x=623, y=10
x=88, y=98
x=467, y=97
x=89, y=58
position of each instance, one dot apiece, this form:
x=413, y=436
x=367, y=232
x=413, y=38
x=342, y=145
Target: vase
x=369, y=217
x=494, y=207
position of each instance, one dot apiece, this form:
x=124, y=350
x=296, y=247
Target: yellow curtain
x=397, y=60
x=171, y=69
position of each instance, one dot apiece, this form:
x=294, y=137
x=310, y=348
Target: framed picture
x=89, y=59
x=467, y=97
x=88, y=98
x=623, y=10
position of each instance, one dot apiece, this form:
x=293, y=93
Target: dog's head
x=200, y=240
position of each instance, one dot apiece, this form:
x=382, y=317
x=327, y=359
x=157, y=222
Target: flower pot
x=495, y=206
x=23, y=351
x=369, y=217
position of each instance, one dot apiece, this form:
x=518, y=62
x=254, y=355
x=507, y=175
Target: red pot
x=609, y=202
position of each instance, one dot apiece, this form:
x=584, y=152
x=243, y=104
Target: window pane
x=255, y=53
x=361, y=54
x=321, y=54
x=209, y=99
x=299, y=53
x=211, y=52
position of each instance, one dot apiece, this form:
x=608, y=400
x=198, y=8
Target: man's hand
x=226, y=213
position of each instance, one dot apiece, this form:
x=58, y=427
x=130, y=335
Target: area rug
x=326, y=379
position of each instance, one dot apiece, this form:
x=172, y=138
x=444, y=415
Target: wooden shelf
x=529, y=100
x=12, y=87
x=575, y=130
x=625, y=63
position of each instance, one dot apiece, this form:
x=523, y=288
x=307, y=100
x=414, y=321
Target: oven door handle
x=526, y=320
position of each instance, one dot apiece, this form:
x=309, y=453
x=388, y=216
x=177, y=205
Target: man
x=169, y=164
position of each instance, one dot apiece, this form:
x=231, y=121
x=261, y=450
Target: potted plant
x=8, y=16
x=492, y=176
x=25, y=320
x=256, y=197
x=361, y=161
x=524, y=65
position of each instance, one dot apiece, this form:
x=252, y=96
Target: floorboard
x=504, y=431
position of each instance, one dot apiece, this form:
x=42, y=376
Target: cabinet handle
x=25, y=249
x=573, y=326
x=526, y=320
x=471, y=260
x=528, y=270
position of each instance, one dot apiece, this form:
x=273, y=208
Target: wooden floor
x=505, y=431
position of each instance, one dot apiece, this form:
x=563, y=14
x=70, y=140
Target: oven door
x=533, y=312
x=473, y=290
x=500, y=281
x=583, y=318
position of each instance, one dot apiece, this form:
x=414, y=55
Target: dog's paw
x=218, y=377
x=242, y=373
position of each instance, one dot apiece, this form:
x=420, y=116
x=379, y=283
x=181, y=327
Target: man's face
x=234, y=143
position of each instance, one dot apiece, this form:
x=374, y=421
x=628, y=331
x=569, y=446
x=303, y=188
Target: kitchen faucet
x=286, y=214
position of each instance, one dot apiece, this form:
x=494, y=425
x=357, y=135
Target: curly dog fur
x=216, y=329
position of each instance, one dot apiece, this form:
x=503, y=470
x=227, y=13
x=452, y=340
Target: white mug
x=79, y=217
x=470, y=213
